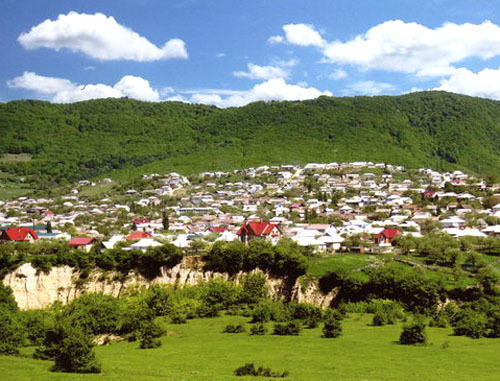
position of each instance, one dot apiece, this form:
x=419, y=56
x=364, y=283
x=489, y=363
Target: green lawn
x=199, y=351
x=320, y=266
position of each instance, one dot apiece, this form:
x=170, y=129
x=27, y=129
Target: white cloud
x=40, y=84
x=338, y=74
x=65, y=91
x=289, y=63
x=275, y=40
x=414, y=48
x=137, y=88
x=485, y=83
x=303, y=35
x=273, y=89
x=262, y=72
x=99, y=37
x=368, y=88
x=405, y=47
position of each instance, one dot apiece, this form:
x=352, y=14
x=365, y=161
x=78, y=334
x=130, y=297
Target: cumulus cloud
x=405, y=47
x=261, y=72
x=485, y=83
x=368, y=88
x=65, y=91
x=303, y=35
x=272, y=89
x=40, y=84
x=99, y=37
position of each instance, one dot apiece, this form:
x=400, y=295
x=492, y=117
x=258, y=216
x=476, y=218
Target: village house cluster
x=322, y=206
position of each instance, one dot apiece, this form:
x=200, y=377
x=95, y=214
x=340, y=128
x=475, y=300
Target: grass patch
x=10, y=158
x=199, y=351
x=320, y=266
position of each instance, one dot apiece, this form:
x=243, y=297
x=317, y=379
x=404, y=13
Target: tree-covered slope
x=92, y=138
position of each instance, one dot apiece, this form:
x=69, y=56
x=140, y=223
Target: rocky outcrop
x=35, y=289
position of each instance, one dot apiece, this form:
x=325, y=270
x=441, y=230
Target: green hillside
x=46, y=143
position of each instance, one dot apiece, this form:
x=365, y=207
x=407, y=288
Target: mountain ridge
x=123, y=137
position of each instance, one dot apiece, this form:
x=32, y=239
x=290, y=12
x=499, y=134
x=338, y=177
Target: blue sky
x=230, y=53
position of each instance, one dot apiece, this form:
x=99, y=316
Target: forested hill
x=67, y=142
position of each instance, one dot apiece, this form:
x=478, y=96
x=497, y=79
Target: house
x=84, y=243
x=18, y=234
x=254, y=229
x=138, y=235
x=386, y=236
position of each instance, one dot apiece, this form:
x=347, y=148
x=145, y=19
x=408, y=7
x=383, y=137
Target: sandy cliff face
x=33, y=289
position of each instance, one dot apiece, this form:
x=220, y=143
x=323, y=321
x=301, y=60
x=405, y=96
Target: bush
x=332, y=327
x=292, y=328
x=470, y=323
x=36, y=323
x=308, y=313
x=149, y=334
x=74, y=351
x=253, y=288
x=178, y=317
x=230, y=328
x=11, y=331
x=251, y=370
x=413, y=334
x=96, y=313
x=262, y=312
x=258, y=329
x=387, y=313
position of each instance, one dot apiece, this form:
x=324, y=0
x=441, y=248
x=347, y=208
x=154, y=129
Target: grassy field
x=199, y=351
x=320, y=266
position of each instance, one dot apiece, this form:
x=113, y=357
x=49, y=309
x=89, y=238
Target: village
x=336, y=207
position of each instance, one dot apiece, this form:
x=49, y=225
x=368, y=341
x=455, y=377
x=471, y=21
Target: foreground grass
x=199, y=351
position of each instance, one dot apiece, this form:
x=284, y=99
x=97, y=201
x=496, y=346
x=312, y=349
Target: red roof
x=18, y=234
x=81, y=241
x=389, y=233
x=218, y=229
x=258, y=228
x=141, y=221
x=48, y=213
x=138, y=235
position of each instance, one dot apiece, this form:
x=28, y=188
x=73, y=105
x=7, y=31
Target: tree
x=165, y=220
x=11, y=331
x=149, y=333
x=470, y=323
x=74, y=351
x=49, y=227
x=253, y=288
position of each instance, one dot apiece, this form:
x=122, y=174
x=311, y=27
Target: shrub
x=253, y=288
x=36, y=323
x=74, y=351
x=251, y=370
x=292, y=328
x=97, y=313
x=332, y=327
x=470, y=323
x=262, y=312
x=230, y=328
x=413, y=334
x=178, y=317
x=258, y=329
x=11, y=331
x=149, y=334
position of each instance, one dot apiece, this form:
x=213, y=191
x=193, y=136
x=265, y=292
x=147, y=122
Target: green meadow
x=199, y=350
